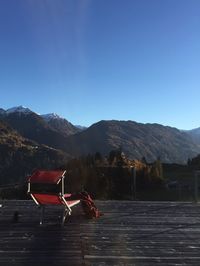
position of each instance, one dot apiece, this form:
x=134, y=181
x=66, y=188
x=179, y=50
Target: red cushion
x=48, y=199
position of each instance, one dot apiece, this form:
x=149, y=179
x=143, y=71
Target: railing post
x=196, y=173
x=133, y=183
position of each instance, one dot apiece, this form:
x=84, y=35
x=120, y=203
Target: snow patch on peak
x=18, y=109
x=50, y=116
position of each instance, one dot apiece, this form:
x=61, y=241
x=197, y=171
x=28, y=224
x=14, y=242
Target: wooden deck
x=129, y=233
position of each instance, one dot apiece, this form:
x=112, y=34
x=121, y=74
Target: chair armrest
x=70, y=201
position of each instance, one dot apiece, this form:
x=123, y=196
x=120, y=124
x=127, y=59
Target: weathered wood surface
x=129, y=233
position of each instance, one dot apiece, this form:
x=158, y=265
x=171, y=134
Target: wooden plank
x=129, y=233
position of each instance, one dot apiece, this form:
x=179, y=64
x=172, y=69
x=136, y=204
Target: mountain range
x=136, y=140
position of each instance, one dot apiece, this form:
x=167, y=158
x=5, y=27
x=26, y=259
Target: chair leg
x=65, y=213
x=41, y=215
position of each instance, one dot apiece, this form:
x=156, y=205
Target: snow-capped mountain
x=54, y=120
x=18, y=109
x=50, y=116
x=49, y=129
x=60, y=124
x=33, y=126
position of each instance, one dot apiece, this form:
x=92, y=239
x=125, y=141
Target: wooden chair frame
x=43, y=199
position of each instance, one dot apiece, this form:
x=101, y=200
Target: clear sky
x=89, y=60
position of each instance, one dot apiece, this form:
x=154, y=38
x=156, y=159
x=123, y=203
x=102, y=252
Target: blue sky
x=90, y=60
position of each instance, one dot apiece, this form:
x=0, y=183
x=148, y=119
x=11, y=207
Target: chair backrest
x=47, y=177
x=47, y=187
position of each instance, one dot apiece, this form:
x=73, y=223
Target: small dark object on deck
x=15, y=217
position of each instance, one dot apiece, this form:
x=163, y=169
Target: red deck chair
x=47, y=188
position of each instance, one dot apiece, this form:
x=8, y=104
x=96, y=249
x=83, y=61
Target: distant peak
x=50, y=116
x=18, y=109
x=81, y=127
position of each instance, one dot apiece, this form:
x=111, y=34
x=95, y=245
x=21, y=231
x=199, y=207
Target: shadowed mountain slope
x=136, y=140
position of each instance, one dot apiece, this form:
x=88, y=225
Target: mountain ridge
x=137, y=140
